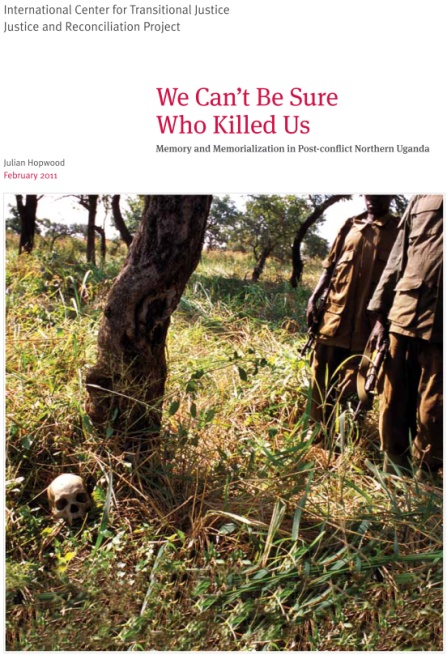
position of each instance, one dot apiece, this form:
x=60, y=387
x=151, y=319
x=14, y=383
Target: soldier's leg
x=320, y=372
x=397, y=403
x=428, y=443
x=325, y=360
x=347, y=374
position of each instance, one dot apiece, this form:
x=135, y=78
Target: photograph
x=224, y=422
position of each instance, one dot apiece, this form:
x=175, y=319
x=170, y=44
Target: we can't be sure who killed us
x=239, y=123
x=114, y=11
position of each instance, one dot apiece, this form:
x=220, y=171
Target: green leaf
x=404, y=578
x=228, y=528
x=198, y=374
x=87, y=423
x=47, y=597
x=46, y=532
x=242, y=374
x=174, y=407
x=191, y=386
x=26, y=443
x=106, y=533
x=209, y=415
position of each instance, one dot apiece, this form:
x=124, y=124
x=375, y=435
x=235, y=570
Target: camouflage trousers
x=334, y=377
x=411, y=401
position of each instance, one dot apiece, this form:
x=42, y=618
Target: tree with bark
x=267, y=226
x=126, y=384
x=319, y=205
x=103, y=247
x=90, y=203
x=27, y=212
x=118, y=221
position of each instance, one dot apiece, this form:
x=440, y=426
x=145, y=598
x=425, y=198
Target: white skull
x=68, y=497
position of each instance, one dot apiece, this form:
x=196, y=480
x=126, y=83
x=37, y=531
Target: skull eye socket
x=61, y=503
x=81, y=498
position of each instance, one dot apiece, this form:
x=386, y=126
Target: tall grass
x=238, y=533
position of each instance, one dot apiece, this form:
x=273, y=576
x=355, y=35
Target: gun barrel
x=309, y=343
x=372, y=374
x=318, y=315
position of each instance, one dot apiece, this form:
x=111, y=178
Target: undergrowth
x=238, y=532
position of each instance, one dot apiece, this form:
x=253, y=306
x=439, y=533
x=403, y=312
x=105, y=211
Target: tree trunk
x=27, y=213
x=127, y=383
x=119, y=221
x=260, y=264
x=102, y=235
x=92, y=208
x=297, y=262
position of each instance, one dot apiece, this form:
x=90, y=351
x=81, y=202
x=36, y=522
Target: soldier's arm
x=383, y=296
x=328, y=269
x=322, y=285
x=382, y=299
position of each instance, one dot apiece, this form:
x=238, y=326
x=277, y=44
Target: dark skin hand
x=379, y=332
x=376, y=207
x=312, y=302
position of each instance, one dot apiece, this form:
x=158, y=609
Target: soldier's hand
x=311, y=311
x=379, y=332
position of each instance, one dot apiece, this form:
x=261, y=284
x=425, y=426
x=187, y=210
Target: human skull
x=68, y=497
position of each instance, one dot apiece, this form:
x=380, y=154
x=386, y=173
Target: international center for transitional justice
x=115, y=11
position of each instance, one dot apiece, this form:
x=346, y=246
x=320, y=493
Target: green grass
x=237, y=534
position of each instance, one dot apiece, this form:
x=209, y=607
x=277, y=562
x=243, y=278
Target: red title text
x=240, y=123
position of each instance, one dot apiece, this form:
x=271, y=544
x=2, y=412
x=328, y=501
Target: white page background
x=90, y=98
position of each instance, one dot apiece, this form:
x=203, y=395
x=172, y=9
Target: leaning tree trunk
x=127, y=383
x=297, y=262
x=92, y=208
x=102, y=236
x=119, y=221
x=27, y=213
x=260, y=264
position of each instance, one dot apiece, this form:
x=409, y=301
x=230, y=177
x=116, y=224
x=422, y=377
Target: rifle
x=316, y=320
x=368, y=373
